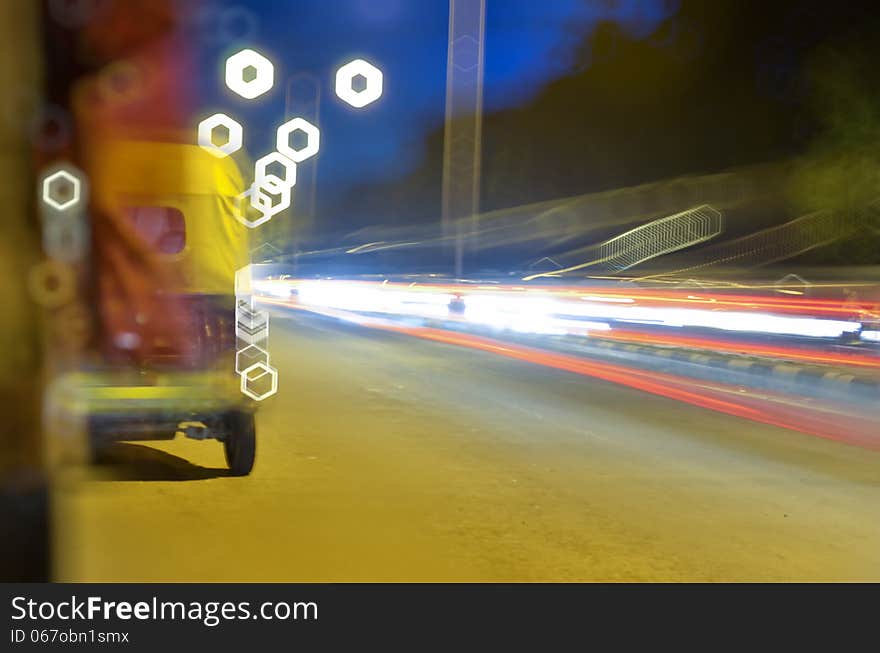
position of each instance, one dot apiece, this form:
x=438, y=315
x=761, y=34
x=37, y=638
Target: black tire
x=240, y=444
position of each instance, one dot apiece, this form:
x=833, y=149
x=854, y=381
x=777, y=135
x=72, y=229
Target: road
x=387, y=458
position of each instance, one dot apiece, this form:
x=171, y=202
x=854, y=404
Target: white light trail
x=546, y=314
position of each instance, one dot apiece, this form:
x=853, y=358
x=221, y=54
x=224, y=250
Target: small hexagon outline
x=465, y=52
x=245, y=378
x=272, y=182
x=259, y=201
x=267, y=212
x=236, y=211
x=206, y=132
x=72, y=179
x=282, y=140
x=262, y=82
x=265, y=355
x=346, y=74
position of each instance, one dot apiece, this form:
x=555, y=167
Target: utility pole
x=462, y=146
x=303, y=100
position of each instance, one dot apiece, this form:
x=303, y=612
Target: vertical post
x=303, y=99
x=462, y=146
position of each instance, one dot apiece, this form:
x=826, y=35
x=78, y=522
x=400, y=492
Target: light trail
x=641, y=296
x=557, y=307
x=772, y=409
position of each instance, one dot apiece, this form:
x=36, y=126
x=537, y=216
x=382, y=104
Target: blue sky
x=527, y=44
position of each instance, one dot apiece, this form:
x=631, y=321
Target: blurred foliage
x=842, y=168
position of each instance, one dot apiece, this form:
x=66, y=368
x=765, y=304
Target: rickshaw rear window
x=161, y=227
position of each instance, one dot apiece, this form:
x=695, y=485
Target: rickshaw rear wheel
x=240, y=444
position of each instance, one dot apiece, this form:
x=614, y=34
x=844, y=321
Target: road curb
x=780, y=375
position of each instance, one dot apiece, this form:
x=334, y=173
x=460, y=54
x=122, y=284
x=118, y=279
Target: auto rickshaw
x=166, y=249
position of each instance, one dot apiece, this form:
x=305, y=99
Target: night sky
x=528, y=44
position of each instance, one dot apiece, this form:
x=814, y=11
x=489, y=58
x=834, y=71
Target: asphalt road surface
x=386, y=457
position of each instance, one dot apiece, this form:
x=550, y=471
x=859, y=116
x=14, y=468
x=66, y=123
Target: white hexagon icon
x=61, y=190
x=265, y=179
x=261, y=199
x=313, y=140
x=240, y=210
x=255, y=373
x=249, y=73
x=206, y=135
x=359, y=83
x=250, y=356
